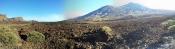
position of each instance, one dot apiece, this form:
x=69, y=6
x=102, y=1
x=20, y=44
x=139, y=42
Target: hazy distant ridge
x=112, y=13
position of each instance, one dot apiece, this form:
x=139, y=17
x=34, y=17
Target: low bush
x=105, y=32
x=169, y=22
x=8, y=39
x=106, y=29
x=35, y=37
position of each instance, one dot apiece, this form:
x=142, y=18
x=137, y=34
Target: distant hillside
x=131, y=10
x=2, y=17
x=5, y=19
x=15, y=19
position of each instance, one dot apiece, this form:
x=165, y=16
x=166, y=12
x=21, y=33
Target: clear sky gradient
x=40, y=10
x=57, y=10
x=74, y=8
x=49, y=10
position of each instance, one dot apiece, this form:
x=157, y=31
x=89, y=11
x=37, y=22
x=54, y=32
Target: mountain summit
x=112, y=13
x=133, y=7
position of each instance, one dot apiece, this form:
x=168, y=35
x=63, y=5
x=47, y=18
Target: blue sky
x=76, y=8
x=57, y=10
x=40, y=10
x=49, y=10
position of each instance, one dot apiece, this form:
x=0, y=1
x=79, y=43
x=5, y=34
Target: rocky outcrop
x=15, y=19
x=103, y=34
x=2, y=17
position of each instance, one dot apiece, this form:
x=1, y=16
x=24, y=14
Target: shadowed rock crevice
x=23, y=34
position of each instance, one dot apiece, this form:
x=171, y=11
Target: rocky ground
x=143, y=33
x=147, y=33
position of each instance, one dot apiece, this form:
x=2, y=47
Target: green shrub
x=36, y=37
x=8, y=39
x=106, y=29
x=172, y=28
x=169, y=22
x=1, y=31
x=105, y=32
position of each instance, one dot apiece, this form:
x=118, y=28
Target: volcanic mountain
x=129, y=10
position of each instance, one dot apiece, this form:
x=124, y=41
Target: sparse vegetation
x=169, y=22
x=35, y=37
x=132, y=32
x=171, y=27
x=9, y=39
x=107, y=31
x=88, y=35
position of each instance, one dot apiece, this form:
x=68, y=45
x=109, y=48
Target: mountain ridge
x=4, y=18
x=109, y=12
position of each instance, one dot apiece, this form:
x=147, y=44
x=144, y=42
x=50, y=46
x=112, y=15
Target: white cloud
x=121, y=2
x=155, y=4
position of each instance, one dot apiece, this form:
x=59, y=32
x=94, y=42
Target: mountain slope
x=112, y=13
